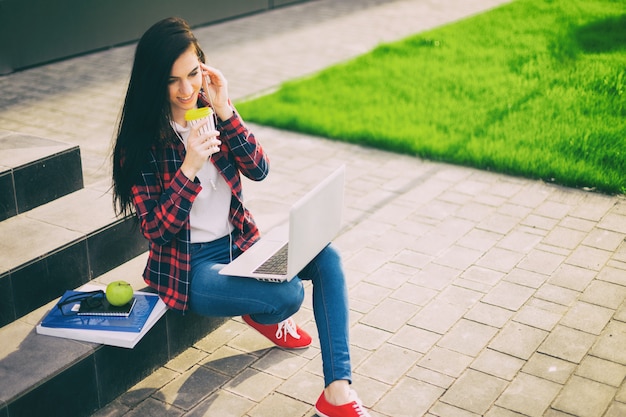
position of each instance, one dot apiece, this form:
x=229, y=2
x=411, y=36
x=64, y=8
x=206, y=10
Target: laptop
x=286, y=249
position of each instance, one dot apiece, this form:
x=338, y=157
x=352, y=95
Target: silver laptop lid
x=315, y=220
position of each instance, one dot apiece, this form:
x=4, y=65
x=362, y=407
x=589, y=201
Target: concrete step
x=44, y=375
x=35, y=171
x=61, y=245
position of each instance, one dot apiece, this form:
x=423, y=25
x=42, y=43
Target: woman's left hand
x=215, y=85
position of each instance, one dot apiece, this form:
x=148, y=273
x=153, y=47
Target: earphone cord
x=208, y=95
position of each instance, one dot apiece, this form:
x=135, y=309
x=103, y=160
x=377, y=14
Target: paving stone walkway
x=472, y=293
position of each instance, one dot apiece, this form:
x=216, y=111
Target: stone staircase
x=57, y=235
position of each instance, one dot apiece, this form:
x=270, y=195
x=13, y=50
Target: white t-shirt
x=209, y=212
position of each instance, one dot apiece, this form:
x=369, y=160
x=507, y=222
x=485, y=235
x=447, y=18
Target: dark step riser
x=40, y=182
x=34, y=284
x=102, y=376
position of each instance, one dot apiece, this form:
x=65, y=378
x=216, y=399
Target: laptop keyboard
x=276, y=264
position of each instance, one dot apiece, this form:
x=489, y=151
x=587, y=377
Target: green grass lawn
x=536, y=88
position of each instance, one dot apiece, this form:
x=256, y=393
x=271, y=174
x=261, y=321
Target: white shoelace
x=357, y=405
x=287, y=327
x=359, y=410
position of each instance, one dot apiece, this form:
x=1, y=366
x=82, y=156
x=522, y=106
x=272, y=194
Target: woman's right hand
x=200, y=146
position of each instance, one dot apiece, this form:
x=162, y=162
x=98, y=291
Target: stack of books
x=117, y=326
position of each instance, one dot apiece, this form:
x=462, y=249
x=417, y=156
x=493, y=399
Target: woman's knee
x=330, y=254
x=291, y=296
x=326, y=265
x=282, y=302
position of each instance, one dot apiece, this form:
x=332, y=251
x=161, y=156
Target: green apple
x=119, y=293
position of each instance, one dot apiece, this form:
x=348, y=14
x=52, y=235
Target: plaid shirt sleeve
x=163, y=200
x=249, y=157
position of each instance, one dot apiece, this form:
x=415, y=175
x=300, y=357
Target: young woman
x=183, y=182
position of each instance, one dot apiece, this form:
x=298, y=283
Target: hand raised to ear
x=216, y=87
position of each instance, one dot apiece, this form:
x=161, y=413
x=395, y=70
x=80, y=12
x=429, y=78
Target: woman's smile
x=189, y=99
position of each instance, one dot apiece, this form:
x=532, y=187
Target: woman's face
x=184, y=84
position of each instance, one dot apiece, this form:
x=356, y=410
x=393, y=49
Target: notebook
x=314, y=221
x=107, y=309
x=96, y=330
x=144, y=304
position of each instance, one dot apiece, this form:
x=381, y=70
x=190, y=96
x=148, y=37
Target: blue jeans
x=212, y=294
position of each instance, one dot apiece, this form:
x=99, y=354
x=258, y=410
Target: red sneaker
x=352, y=409
x=285, y=334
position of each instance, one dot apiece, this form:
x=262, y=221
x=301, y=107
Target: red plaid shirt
x=163, y=202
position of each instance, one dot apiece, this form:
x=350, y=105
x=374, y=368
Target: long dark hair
x=146, y=114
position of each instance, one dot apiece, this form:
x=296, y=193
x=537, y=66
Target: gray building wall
x=34, y=32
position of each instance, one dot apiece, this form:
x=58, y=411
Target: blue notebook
x=133, y=323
